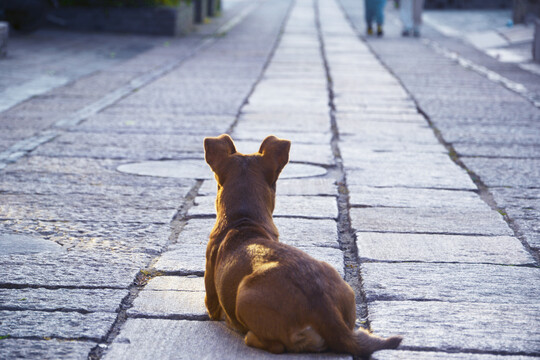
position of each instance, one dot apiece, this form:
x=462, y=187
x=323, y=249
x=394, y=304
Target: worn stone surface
x=196, y=339
x=166, y=303
x=56, y=324
x=183, y=260
x=421, y=175
x=415, y=198
x=466, y=327
x=45, y=349
x=175, y=283
x=72, y=269
x=441, y=248
x=85, y=300
x=436, y=220
x=451, y=283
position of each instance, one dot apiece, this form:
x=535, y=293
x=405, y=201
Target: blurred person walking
x=410, y=12
x=374, y=10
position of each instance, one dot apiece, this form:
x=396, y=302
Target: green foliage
x=122, y=3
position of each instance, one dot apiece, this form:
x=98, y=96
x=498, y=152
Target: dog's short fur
x=280, y=297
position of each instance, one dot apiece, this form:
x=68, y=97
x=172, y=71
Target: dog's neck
x=243, y=215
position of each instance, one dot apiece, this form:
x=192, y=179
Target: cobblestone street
x=414, y=171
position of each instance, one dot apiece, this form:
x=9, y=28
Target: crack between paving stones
x=171, y=317
x=346, y=235
x=59, y=287
x=467, y=351
x=483, y=190
x=48, y=338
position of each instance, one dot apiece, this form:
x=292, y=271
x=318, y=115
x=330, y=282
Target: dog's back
x=282, y=298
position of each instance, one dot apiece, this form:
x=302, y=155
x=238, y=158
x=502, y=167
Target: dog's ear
x=217, y=149
x=275, y=153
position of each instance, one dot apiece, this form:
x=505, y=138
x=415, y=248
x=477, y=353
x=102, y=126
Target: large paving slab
x=171, y=304
x=360, y=195
x=465, y=327
x=182, y=339
x=451, y=283
x=430, y=220
x=499, y=172
x=74, y=212
x=82, y=300
x=293, y=231
x=190, y=259
x=65, y=325
x=320, y=207
x=393, y=174
x=73, y=269
x=287, y=186
x=508, y=250
x=432, y=355
x=45, y=349
x=93, y=236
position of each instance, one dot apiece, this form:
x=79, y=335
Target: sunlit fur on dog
x=281, y=298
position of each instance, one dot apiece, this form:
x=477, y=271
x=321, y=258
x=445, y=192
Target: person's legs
x=406, y=15
x=417, y=16
x=379, y=16
x=369, y=6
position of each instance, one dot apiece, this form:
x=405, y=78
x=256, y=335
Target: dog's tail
x=340, y=338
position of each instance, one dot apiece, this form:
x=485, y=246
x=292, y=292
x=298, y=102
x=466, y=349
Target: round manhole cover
x=198, y=169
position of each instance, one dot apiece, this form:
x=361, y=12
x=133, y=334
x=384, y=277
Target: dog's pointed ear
x=217, y=149
x=275, y=153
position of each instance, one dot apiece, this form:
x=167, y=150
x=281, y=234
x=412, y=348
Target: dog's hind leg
x=275, y=347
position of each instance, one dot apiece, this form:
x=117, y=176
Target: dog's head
x=246, y=182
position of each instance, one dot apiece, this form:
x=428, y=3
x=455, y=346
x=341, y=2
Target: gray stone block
x=465, y=327
x=427, y=174
x=165, y=303
x=293, y=231
x=176, y=283
x=181, y=339
x=441, y=248
x=318, y=185
x=97, y=269
x=183, y=260
x=435, y=220
x=89, y=300
x=474, y=283
x=432, y=355
x=45, y=349
x=415, y=198
x=317, y=207
x=56, y=324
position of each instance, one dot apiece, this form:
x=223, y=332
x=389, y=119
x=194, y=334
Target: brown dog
x=280, y=297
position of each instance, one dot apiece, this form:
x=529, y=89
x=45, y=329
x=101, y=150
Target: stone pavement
x=409, y=173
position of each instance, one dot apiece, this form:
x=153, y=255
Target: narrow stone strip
x=346, y=235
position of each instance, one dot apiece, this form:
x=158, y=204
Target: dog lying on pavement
x=281, y=298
